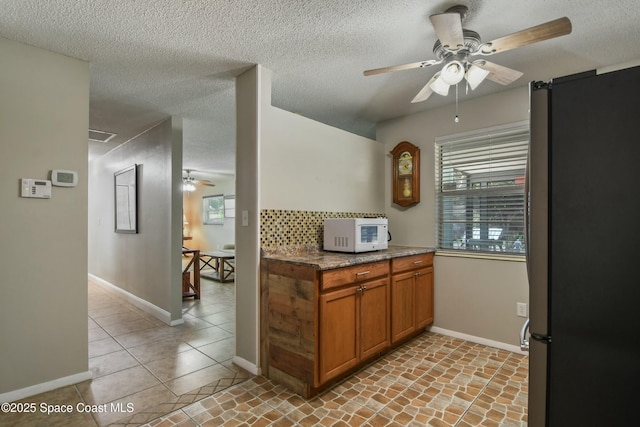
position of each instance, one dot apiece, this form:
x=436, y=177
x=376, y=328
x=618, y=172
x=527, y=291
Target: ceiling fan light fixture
x=439, y=86
x=452, y=73
x=455, y=46
x=188, y=186
x=475, y=75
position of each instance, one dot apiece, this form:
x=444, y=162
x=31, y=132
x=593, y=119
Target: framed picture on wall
x=213, y=209
x=126, y=200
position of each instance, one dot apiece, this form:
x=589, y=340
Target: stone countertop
x=325, y=260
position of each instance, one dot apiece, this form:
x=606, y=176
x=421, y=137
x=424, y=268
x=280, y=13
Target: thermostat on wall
x=35, y=188
x=63, y=178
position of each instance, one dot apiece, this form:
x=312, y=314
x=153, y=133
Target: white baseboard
x=144, y=305
x=478, y=340
x=12, y=396
x=246, y=365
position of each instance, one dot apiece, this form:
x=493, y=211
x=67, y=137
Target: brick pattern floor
x=433, y=380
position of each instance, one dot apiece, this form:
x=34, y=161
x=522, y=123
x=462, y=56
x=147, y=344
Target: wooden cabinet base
x=289, y=324
x=318, y=327
x=288, y=379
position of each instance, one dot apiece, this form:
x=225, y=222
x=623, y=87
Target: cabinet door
x=374, y=317
x=424, y=297
x=402, y=305
x=338, y=342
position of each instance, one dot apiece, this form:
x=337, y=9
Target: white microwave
x=355, y=234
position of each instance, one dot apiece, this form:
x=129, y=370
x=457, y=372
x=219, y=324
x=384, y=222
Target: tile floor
x=183, y=376
x=433, y=380
x=138, y=360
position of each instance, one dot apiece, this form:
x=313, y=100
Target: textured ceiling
x=153, y=58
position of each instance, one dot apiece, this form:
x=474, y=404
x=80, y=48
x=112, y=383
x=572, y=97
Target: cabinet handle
x=416, y=274
x=362, y=273
x=418, y=262
x=364, y=288
x=361, y=289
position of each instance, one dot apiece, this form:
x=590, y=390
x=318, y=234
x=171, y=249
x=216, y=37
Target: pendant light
x=453, y=72
x=188, y=183
x=475, y=75
x=439, y=86
x=188, y=186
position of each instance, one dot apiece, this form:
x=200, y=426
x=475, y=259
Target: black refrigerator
x=583, y=250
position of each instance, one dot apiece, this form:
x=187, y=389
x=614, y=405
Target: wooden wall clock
x=406, y=174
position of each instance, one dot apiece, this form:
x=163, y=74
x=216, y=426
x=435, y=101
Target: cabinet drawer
x=411, y=262
x=354, y=274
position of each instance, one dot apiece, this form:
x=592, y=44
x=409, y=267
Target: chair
x=230, y=247
x=190, y=289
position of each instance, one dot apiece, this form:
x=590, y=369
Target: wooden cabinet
x=411, y=295
x=354, y=274
x=320, y=324
x=354, y=325
x=424, y=297
x=375, y=310
x=338, y=350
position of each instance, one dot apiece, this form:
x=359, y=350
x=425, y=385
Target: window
x=230, y=206
x=213, y=209
x=480, y=190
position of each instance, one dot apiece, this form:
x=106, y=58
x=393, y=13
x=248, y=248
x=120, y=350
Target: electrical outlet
x=521, y=309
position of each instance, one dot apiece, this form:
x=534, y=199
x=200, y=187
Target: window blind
x=480, y=190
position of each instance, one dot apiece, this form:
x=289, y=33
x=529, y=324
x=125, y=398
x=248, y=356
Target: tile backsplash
x=288, y=227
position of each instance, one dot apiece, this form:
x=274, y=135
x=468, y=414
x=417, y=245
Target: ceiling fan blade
x=425, y=92
x=548, y=30
x=499, y=73
x=448, y=28
x=422, y=64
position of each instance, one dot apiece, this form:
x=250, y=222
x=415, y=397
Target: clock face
x=405, y=164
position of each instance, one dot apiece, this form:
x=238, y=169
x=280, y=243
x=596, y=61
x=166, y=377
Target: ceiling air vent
x=100, y=136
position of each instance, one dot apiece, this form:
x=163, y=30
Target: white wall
x=253, y=91
x=307, y=165
x=473, y=297
x=147, y=264
x=208, y=237
x=286, y=161
x=44, y=111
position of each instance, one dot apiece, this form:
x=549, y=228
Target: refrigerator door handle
x=527, y=230
x=544, y=339
x=524, y=343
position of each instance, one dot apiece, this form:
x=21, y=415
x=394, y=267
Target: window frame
x=230, y=206
x=492, y=192
x=206, y=207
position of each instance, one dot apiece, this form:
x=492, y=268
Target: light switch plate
x=522, y=309
x=245, y=218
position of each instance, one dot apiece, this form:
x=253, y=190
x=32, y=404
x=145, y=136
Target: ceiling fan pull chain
x=456, y=119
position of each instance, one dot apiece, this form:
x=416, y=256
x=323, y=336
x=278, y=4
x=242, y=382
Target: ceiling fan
x=189, y=183
x=456, y=46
